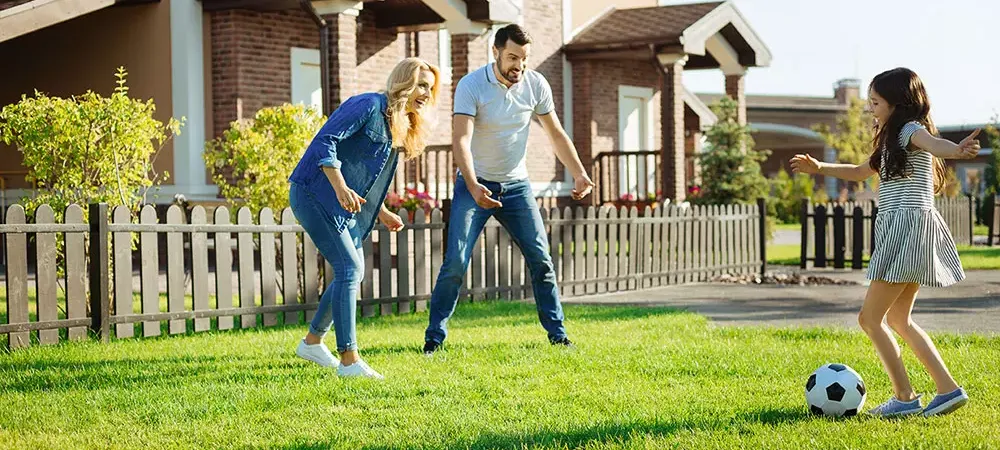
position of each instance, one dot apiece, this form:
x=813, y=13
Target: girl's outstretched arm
x=943, y=148
x=850, y=172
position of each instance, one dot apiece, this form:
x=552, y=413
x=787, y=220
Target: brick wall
x=251, y=60
x=543, y=20
x=600, y=97
x=250, y=67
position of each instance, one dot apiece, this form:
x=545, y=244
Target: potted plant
x=411, y=200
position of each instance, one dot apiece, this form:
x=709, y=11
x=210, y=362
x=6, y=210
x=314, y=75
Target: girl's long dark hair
x=903, y=90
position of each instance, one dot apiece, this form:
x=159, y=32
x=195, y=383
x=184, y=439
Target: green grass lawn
x=640, y=378
x=973, y=257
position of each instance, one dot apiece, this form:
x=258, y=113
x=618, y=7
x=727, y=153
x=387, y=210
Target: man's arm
x=566, y=153
x=461, y=143
x=461, y=139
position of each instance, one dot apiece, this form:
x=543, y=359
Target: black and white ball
x=835, y=390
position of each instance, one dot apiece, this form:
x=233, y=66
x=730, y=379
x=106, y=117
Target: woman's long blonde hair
x=410, y=130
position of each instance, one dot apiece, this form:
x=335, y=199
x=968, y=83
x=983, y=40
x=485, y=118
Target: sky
x=952, y=45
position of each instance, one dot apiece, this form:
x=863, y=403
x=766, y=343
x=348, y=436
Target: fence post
x=99, y=281
x=858, y=246
x=819, y=218
x=762, y=235
x=839, y=236
x=871, y=251
x=990, y=222
x=804, y=235
x=978, y=218
x=972, y=220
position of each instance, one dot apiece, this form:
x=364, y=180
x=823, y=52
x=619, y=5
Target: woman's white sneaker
x=317, y=353
x=358, y=369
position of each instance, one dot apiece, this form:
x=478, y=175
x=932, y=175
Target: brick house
x=615, y=69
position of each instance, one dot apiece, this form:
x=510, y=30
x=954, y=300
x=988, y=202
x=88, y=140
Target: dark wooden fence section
x=839, y=235
x=220, y=271
x=992, y=220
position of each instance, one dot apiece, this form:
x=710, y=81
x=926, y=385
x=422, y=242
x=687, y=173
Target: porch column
x=468, y=53
x=735, y=89
x=187, y=79
x=672, y=165
x=584, y=131
x=342, y=17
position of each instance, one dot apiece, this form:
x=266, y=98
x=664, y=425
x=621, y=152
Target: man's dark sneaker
x=430, y=347
x=562, y=341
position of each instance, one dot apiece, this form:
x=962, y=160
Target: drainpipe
x=324, y=53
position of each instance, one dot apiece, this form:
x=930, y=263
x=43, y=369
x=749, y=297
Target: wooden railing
x=626, y=175
x=433, y=173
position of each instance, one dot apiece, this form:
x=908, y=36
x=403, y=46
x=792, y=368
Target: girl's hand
x=969, y=147
x=805, y=164
x=391, y=221
x=349, y=200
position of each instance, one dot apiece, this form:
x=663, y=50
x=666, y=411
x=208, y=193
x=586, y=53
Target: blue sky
x=953, y=45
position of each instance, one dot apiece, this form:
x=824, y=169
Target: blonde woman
x=339, y=187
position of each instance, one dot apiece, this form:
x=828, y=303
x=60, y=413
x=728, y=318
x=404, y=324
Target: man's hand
x=482, y=196
x=582, y=187
x=391, y=220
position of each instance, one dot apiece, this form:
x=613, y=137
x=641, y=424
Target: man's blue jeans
x=520, y=216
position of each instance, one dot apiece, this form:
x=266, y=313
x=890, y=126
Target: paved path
x=970, y=306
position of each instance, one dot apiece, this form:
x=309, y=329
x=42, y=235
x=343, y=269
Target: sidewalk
x=972, y=306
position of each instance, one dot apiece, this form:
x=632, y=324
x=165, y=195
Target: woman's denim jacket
x=355, y=139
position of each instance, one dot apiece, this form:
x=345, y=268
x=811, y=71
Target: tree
x=88, y=148
x=991, y=176
x=853, y=138
x=252, y=160
x=730, y=165
x=787, y=193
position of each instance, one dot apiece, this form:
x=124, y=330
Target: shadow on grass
x=596, y=434
x=51, y=371
x=51, y=374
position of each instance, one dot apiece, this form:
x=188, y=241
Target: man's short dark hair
x=512, y=32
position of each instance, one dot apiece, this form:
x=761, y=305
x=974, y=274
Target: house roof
x=19, y=17
x=784, y=102
x=709, y=34
x=658, y=24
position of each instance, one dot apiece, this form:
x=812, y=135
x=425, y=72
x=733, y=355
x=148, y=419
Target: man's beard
x=508, y=73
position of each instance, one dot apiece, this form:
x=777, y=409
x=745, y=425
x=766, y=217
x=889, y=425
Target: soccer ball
x=835, y=390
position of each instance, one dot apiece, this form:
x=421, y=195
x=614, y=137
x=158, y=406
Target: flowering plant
x=411, y=200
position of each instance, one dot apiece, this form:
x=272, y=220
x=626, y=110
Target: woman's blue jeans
x=338, y=305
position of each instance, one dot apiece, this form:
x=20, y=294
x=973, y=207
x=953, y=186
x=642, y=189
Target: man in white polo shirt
x=493, y=108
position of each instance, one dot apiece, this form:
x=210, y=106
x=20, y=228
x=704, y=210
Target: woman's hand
x=348, y=199
x=391, y=220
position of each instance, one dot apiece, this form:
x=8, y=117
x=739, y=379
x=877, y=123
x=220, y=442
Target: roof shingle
x=660, y=24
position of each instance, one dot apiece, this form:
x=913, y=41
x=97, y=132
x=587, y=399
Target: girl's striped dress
x=912, y=240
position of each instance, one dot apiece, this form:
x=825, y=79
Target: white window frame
x=444, y=55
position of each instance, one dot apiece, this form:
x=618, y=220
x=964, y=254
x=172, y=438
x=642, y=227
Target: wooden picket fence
x=840, y=233
x=221, y=274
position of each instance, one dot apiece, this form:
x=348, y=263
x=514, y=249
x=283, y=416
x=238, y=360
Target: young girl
x=913, y=246
x=339, y=186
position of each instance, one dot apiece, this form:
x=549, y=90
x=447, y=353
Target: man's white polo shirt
x=502, y=118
